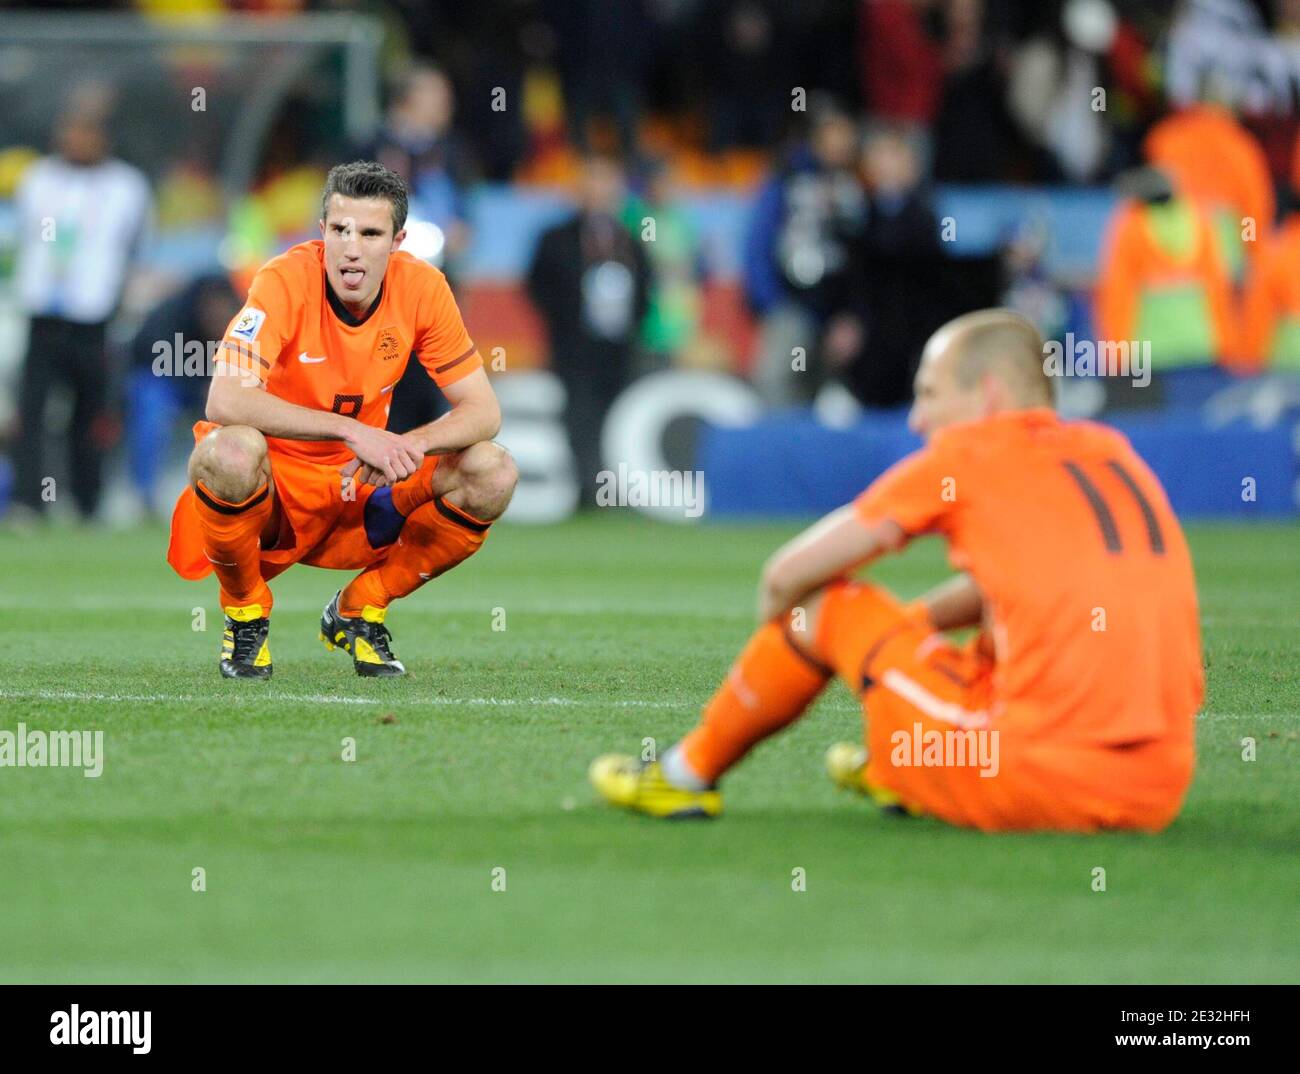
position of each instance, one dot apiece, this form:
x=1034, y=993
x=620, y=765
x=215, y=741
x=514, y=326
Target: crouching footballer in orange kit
x=295, y=464
x=1071, y=709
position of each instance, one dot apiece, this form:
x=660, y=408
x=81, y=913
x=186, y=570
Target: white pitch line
x=462, y=702
x=184, y=609
x=331, y=699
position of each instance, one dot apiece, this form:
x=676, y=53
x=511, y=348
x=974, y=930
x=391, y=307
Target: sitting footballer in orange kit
x=1072, y=709
x=295, y=463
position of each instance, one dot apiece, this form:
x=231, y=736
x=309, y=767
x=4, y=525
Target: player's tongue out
x=352, y=277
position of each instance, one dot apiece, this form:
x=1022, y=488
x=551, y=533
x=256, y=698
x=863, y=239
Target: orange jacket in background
x=1134, y=265
x=1272, y=299
x=1215, y=160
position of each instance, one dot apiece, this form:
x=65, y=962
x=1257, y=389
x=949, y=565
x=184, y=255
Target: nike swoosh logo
x=306, y=360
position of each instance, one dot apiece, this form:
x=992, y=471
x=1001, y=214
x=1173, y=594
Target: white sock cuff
x=678, y=771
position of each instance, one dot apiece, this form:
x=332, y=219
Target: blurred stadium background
x=817, y=184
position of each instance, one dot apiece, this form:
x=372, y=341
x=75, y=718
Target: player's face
x=939, y=398
x=359, y=240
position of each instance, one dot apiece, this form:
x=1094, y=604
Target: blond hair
x=1004, y=344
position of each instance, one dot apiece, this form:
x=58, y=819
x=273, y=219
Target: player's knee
x=230, y=461
x=487, y=476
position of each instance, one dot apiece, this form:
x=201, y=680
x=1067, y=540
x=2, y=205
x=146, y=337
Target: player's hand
x=388, y=454
x=357, y=470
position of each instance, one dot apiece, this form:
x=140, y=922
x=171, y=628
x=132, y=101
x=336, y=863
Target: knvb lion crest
x=390, y=346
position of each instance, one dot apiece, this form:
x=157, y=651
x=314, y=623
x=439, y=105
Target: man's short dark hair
x=367, y=179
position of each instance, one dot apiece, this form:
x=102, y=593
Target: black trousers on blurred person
x=593, y=373
x=71, y=354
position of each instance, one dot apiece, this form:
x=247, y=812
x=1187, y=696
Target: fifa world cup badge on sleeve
x=248, y=323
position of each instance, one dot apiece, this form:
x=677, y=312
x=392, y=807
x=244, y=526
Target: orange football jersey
x=1085, y=572
x=303, y=345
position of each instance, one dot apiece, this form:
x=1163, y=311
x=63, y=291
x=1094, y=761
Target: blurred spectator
x=419, y=144
x=1162, y=279
x=746, y=66
x=82, y=218
x=972, y=131
x=901, y=61
x=1272, y=301
x=1030, y=289
x=166, y=376
x=893, y=298
x=1277, y=127
x=589, y=280
x=604, y=53
x=797, y=254
x=1134, y=98
x=1217, y=162
x=497, y=46
x=673, y=250
x=1052, y=92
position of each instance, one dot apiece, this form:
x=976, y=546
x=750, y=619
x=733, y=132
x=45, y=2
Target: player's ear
x=995, y=394
x=397, y=240
x=321, y=223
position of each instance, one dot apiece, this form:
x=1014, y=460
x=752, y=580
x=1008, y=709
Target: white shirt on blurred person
x=80, y=226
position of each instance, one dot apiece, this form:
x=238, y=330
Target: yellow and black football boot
x=245, y=652
x=846, y=764
x=364, y=636
x=624, y=781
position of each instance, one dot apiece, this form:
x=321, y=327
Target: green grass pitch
x=616, y=628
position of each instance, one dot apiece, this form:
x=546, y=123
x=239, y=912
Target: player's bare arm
x=233, y=400
x=835, y=546
x=475, y=415
x=954, y=604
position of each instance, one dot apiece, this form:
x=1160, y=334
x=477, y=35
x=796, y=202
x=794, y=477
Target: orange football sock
x=232, y=542
x=434, y=539
x=768, y=688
